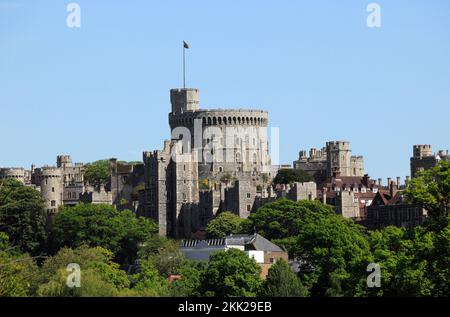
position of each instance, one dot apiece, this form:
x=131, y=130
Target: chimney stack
x=389, y=181
x=380, y=182
x=324, y=196
x=398, y=181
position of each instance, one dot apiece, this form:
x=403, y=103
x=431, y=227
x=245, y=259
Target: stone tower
x=338, y=158
x=51, y=188
x=421, y=150
x=186, y=99
x=13, y=173
x=63, y=161
x=422, y=159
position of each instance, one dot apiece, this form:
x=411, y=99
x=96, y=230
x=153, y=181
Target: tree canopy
x=23, y=217
x=283, y=282
x=226, y=223
x=232, y=273
x=288, y=176
x=102, y=225
x=431, y=190
x=98, y=173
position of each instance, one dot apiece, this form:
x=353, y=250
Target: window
x=249, y=208
x=272, y=260
x=220, y=169
x=53, y=189
x=53, y=203
x=248, y=195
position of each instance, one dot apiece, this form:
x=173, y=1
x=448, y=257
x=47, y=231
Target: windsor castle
x=218, y=160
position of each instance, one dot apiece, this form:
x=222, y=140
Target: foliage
x=431, y=190
x=413, y=262
x=283, y=282
x=102, y=225
x=284, y=218
x=97, y=259
x=204, y=184
x=232, y=273
x=98, y=173
x=288, y=176
x=148, y=278
x=227, y=178
x=100, y=276
x=164, y=253
x=17, y=271
x=191, y=280
x=333, y=253
x=225, y=224
x=92, y=285
x=22, y=217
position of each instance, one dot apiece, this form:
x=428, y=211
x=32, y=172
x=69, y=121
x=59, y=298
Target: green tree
x=226, y=223
x=333, y=254
x=18, y=271
x=148, y=279
x=102, y=225
x=431, y=190
x=23, y=217
x=192, y=274
x=164, y=253
x=232, y=273
x=288, y=176
x=413, y=262
x=283, y=218
x=98, y=173
x=283, y=282
x=333, y=251
x=97, y=260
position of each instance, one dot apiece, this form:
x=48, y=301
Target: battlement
x=341, y=145
x=12, y=172
x=63, y=161
x=421, y=150
x=50, y=172
x=184, y=99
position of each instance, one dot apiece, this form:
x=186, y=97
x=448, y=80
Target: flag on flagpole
x=186, y=45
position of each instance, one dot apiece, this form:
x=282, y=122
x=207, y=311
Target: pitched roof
x=256, y=241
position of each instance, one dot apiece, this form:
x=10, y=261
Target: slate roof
x=253, y=242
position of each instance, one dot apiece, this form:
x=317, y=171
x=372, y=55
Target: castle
x=336, y=155
x=423, y=158
x=216, y=160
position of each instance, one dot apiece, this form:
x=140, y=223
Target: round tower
x=13, y=173
x=51, y=188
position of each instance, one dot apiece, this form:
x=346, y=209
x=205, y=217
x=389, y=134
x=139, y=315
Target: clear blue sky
x=103, y=90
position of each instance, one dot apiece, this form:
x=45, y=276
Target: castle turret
x=338, y=157
x=186, y=99
x=63, y=161
x=13, y=173
x=51, y=188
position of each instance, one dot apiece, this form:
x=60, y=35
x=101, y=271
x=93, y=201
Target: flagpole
x=184, y=66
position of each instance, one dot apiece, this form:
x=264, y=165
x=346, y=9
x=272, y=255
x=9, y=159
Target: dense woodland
x=121, y=255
